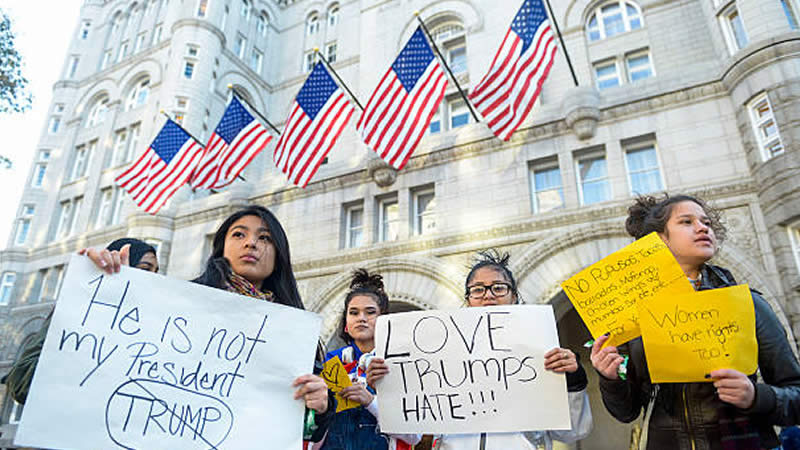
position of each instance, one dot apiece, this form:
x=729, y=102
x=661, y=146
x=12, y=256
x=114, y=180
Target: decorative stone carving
x=581, y=108
x=381, y=173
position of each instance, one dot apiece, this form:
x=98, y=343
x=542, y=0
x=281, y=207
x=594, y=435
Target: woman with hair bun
x=490, y=282
x=736, y=411
x=357, y=428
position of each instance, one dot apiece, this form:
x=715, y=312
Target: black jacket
x=690, y=415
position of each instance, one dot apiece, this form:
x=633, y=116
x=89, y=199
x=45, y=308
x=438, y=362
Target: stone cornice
x=204, y=24
x=758, y=54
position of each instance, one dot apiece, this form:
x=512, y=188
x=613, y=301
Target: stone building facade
x=698, y=96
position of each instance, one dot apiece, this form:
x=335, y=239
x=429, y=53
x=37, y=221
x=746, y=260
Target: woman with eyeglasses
x=489, y=283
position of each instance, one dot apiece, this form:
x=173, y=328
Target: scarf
x=240, y=285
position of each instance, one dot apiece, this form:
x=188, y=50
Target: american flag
x=317, y=118
x=166, y=165
x=403, y=104
x=238, y=138
x=508, y=91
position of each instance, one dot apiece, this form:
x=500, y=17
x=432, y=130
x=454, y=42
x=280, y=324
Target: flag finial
x=416, y=13
x=230, y=86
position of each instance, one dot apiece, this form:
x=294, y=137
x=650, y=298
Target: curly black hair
x=648, y=214
x=496, y=260
x=363, y=283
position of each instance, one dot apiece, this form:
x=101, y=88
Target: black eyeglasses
x=479, y=291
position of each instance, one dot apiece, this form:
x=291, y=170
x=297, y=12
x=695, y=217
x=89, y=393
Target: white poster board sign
x=142, y=361
x=470, y=370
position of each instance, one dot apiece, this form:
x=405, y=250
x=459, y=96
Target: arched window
x=312, y=24
x=613, y=18
x=138, y=94
x=97, y=114
x=263, y=22
x=116, y=21
x=449, y=36
x=333, y=16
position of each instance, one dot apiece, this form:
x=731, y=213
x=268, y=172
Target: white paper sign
x=141, y=361
x=470, y=370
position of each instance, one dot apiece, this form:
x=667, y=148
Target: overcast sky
x=44, y=30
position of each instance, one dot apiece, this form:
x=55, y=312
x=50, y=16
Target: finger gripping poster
x=137, y=360
x=470, y=370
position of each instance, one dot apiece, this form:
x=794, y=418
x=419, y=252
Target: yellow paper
x=335, y=376
x=605, y=294
x=687, y=336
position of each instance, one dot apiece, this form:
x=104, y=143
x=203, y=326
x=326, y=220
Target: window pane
x=645, y=182
x=547, y=179
x=592, y=168
x=435, y=126
x=790, y=16
x=458, y=59
x=642, y=159
x=389, y=225
x=612, y=20
x=596, y=191
x=738, y=29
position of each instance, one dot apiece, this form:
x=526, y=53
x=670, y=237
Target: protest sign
x=139, y=360
x=470, y=370
x=605, y=294
x=335, y=376
x=687, y=336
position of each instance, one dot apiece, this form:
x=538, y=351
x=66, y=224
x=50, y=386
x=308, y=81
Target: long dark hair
x=363, y=283
x=492, y=259
x=280, y=282
x=648, y=214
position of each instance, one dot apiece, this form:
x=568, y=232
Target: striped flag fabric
x=509, y=89
x=403, y=104
x=238, y=138
x=316, y=119
x=166, y=165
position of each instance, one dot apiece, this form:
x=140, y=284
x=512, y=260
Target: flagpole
x=444, y=63
x=253, y=108
x=328, y=65
x=191, y=136
x=561, y=39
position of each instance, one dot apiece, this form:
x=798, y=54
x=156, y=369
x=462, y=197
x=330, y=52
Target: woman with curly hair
x=736, y=410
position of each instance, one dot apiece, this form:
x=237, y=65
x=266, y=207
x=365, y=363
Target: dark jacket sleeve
x=323, y=421
x=623, y=398
x=778, y=397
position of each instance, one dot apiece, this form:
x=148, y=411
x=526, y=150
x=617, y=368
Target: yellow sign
x=335, y=376
x=687, y=336
x=605, y=294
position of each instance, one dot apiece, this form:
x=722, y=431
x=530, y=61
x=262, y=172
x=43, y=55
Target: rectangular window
x=765, y=128
x=256, y=58
x=330, y=52
x=309, y=61
x=79, y=164
x=388, y=220
x=791, y=17
x=262, y=25
x=157, y=34
x=55, y=124
x=139, y=43
x=188, y=70
x=64, y=218
x=133, y=147
x=120, y=152
x=546, y=189
x=239, y=46
x=73, y=66
x=639, y=66
x=7, y=287
x=245, y=10
x=424, y=211
x=459, y=114
x=23, y=226
x=354, y=226
x=119, y=203
x=606, y=74
x=436, y=123
x=59, y=108
x=123, y=51
x=38, y=174
x=644, y=174
x=733, y=29
x=191, y=51
x=593, y=180
x=104, y=208
x=202, y=8
x=77, y=203
x=106, y=59
x=85, y=27
x=457, y=57
x=794, y=238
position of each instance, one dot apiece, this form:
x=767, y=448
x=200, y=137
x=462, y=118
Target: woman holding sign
x=490, y=282
x=733, y=410
x=250, y=257
x=356, y=428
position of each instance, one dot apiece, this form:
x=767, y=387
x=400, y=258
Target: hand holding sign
x=686, y=337
x=335, y=376
x=605, y=294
